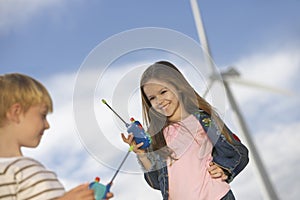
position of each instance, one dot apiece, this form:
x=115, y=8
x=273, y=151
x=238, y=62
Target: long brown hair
x=192, y=101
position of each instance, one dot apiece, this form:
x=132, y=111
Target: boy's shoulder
x=17, y=163
x=27, y=177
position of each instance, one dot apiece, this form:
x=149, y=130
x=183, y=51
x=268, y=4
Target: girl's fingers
x=130, y=137
x=139, y=145
x=137, y=149
x=212, y=168
x=216, y=171
x=127, y=140
x=123, y=137
x=224, y=177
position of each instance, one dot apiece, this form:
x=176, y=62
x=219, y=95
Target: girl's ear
x=14, y=112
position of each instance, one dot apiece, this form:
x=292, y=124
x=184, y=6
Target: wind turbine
x=267, y=188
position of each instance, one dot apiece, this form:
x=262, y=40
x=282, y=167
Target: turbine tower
x=268, y=191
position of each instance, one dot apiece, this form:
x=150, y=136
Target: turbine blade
x=259, y=85
x=210, y=84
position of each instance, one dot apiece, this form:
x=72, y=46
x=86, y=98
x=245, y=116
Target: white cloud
x=273, y=120
x=14, y=13
x=275, y=69
x=277, y=148
x=275, y=137
x=61, y=148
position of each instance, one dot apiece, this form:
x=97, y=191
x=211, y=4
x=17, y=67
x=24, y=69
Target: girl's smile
x=164, y=98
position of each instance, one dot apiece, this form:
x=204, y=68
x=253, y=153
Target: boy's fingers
x=109, y=195
x=81, y=187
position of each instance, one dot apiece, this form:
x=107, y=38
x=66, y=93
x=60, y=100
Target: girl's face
x=164, y=98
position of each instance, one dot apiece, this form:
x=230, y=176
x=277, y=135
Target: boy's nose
x=47, y=125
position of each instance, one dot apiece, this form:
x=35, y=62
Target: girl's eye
x=163, y=91
x=151, y=98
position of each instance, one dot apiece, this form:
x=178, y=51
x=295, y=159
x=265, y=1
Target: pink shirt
x=188, y=176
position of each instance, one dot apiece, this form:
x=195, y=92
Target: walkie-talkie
x=135, y=127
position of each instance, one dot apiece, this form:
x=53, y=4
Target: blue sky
x=58, y=35
x=51, y=39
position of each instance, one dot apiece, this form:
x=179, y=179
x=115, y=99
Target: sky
x=83, y=51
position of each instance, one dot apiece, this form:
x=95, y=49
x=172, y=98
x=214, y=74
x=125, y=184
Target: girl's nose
x=159, y=100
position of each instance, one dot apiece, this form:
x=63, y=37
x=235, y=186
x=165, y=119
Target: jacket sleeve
x=158, y=179
x=152, y=175
x=157, y=176
x=244, y=156
x=232, y=157
x=151, y=178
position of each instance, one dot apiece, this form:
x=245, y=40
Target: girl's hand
x=136, y=147
x=141, y=153
x=216, y=172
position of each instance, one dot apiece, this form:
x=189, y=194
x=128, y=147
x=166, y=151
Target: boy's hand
x=81, y=192
x=216, y=172
x=109, y=195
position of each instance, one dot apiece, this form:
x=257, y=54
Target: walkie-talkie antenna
x=140, y=136
x=118, y=170
x=103, y=101
x=135, y=127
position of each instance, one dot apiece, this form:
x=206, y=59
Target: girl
x=193, y=155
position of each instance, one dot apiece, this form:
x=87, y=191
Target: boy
x=24, y=105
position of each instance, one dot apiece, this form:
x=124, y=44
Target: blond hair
x=22, y=89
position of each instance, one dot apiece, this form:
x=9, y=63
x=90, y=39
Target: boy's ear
x=14, y=112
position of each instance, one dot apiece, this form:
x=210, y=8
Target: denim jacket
x=233, y=158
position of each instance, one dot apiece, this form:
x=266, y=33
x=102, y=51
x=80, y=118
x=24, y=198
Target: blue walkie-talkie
x=135, y=127
x=100, y=190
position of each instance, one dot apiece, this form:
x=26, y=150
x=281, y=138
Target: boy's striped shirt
x=24, y=178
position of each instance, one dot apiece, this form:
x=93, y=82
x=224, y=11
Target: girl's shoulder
x=203, y=117
x=201, y=113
